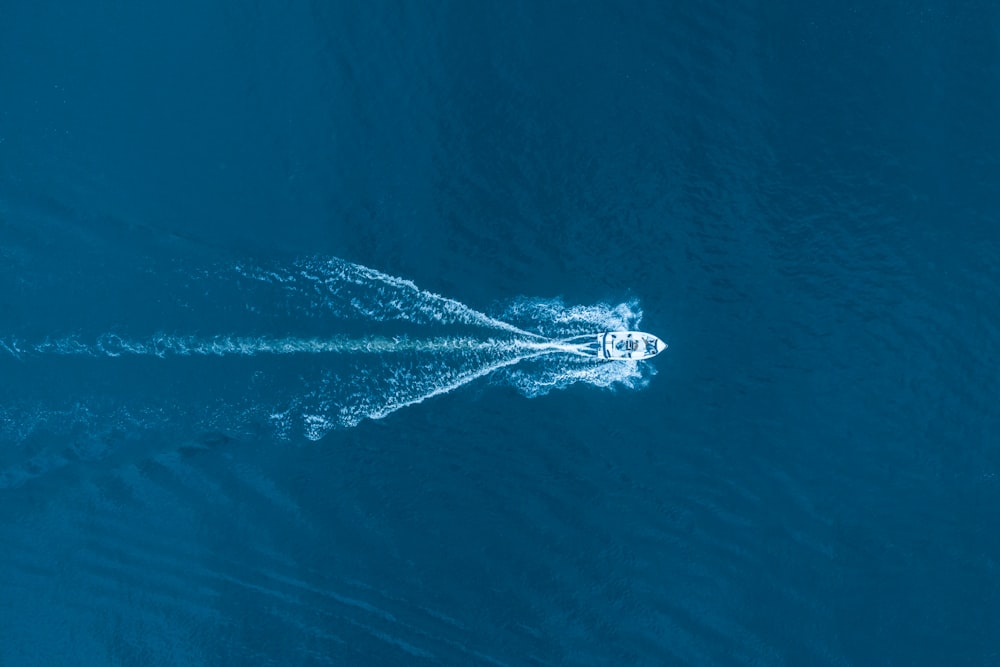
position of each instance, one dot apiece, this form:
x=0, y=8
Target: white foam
x=555, y=319
x=164, y=345
x=371, y=377
x=351, y=289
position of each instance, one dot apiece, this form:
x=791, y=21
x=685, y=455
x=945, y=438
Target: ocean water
x=279, y=286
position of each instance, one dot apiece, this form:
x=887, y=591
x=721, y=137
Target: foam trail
x=352, y=416
x=163, y=345
x=352, y=367
x=555, y=319
x=353, y=290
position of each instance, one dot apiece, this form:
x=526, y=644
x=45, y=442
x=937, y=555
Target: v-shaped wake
x=313, y=384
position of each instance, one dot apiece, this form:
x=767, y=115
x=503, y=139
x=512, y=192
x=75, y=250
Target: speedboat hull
x=628, y=345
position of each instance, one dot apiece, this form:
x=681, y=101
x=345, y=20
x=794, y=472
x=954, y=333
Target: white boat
x=622, y=345
x=628, y=345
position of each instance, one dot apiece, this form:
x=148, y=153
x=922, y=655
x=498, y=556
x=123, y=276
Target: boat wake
x=373, y=344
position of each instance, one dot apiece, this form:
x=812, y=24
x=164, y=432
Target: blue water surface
x=801, y=198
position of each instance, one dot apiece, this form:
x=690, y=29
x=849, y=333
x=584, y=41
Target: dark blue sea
x=284, y=296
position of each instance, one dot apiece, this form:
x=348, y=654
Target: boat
x=628, y=345
x=620, y=345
